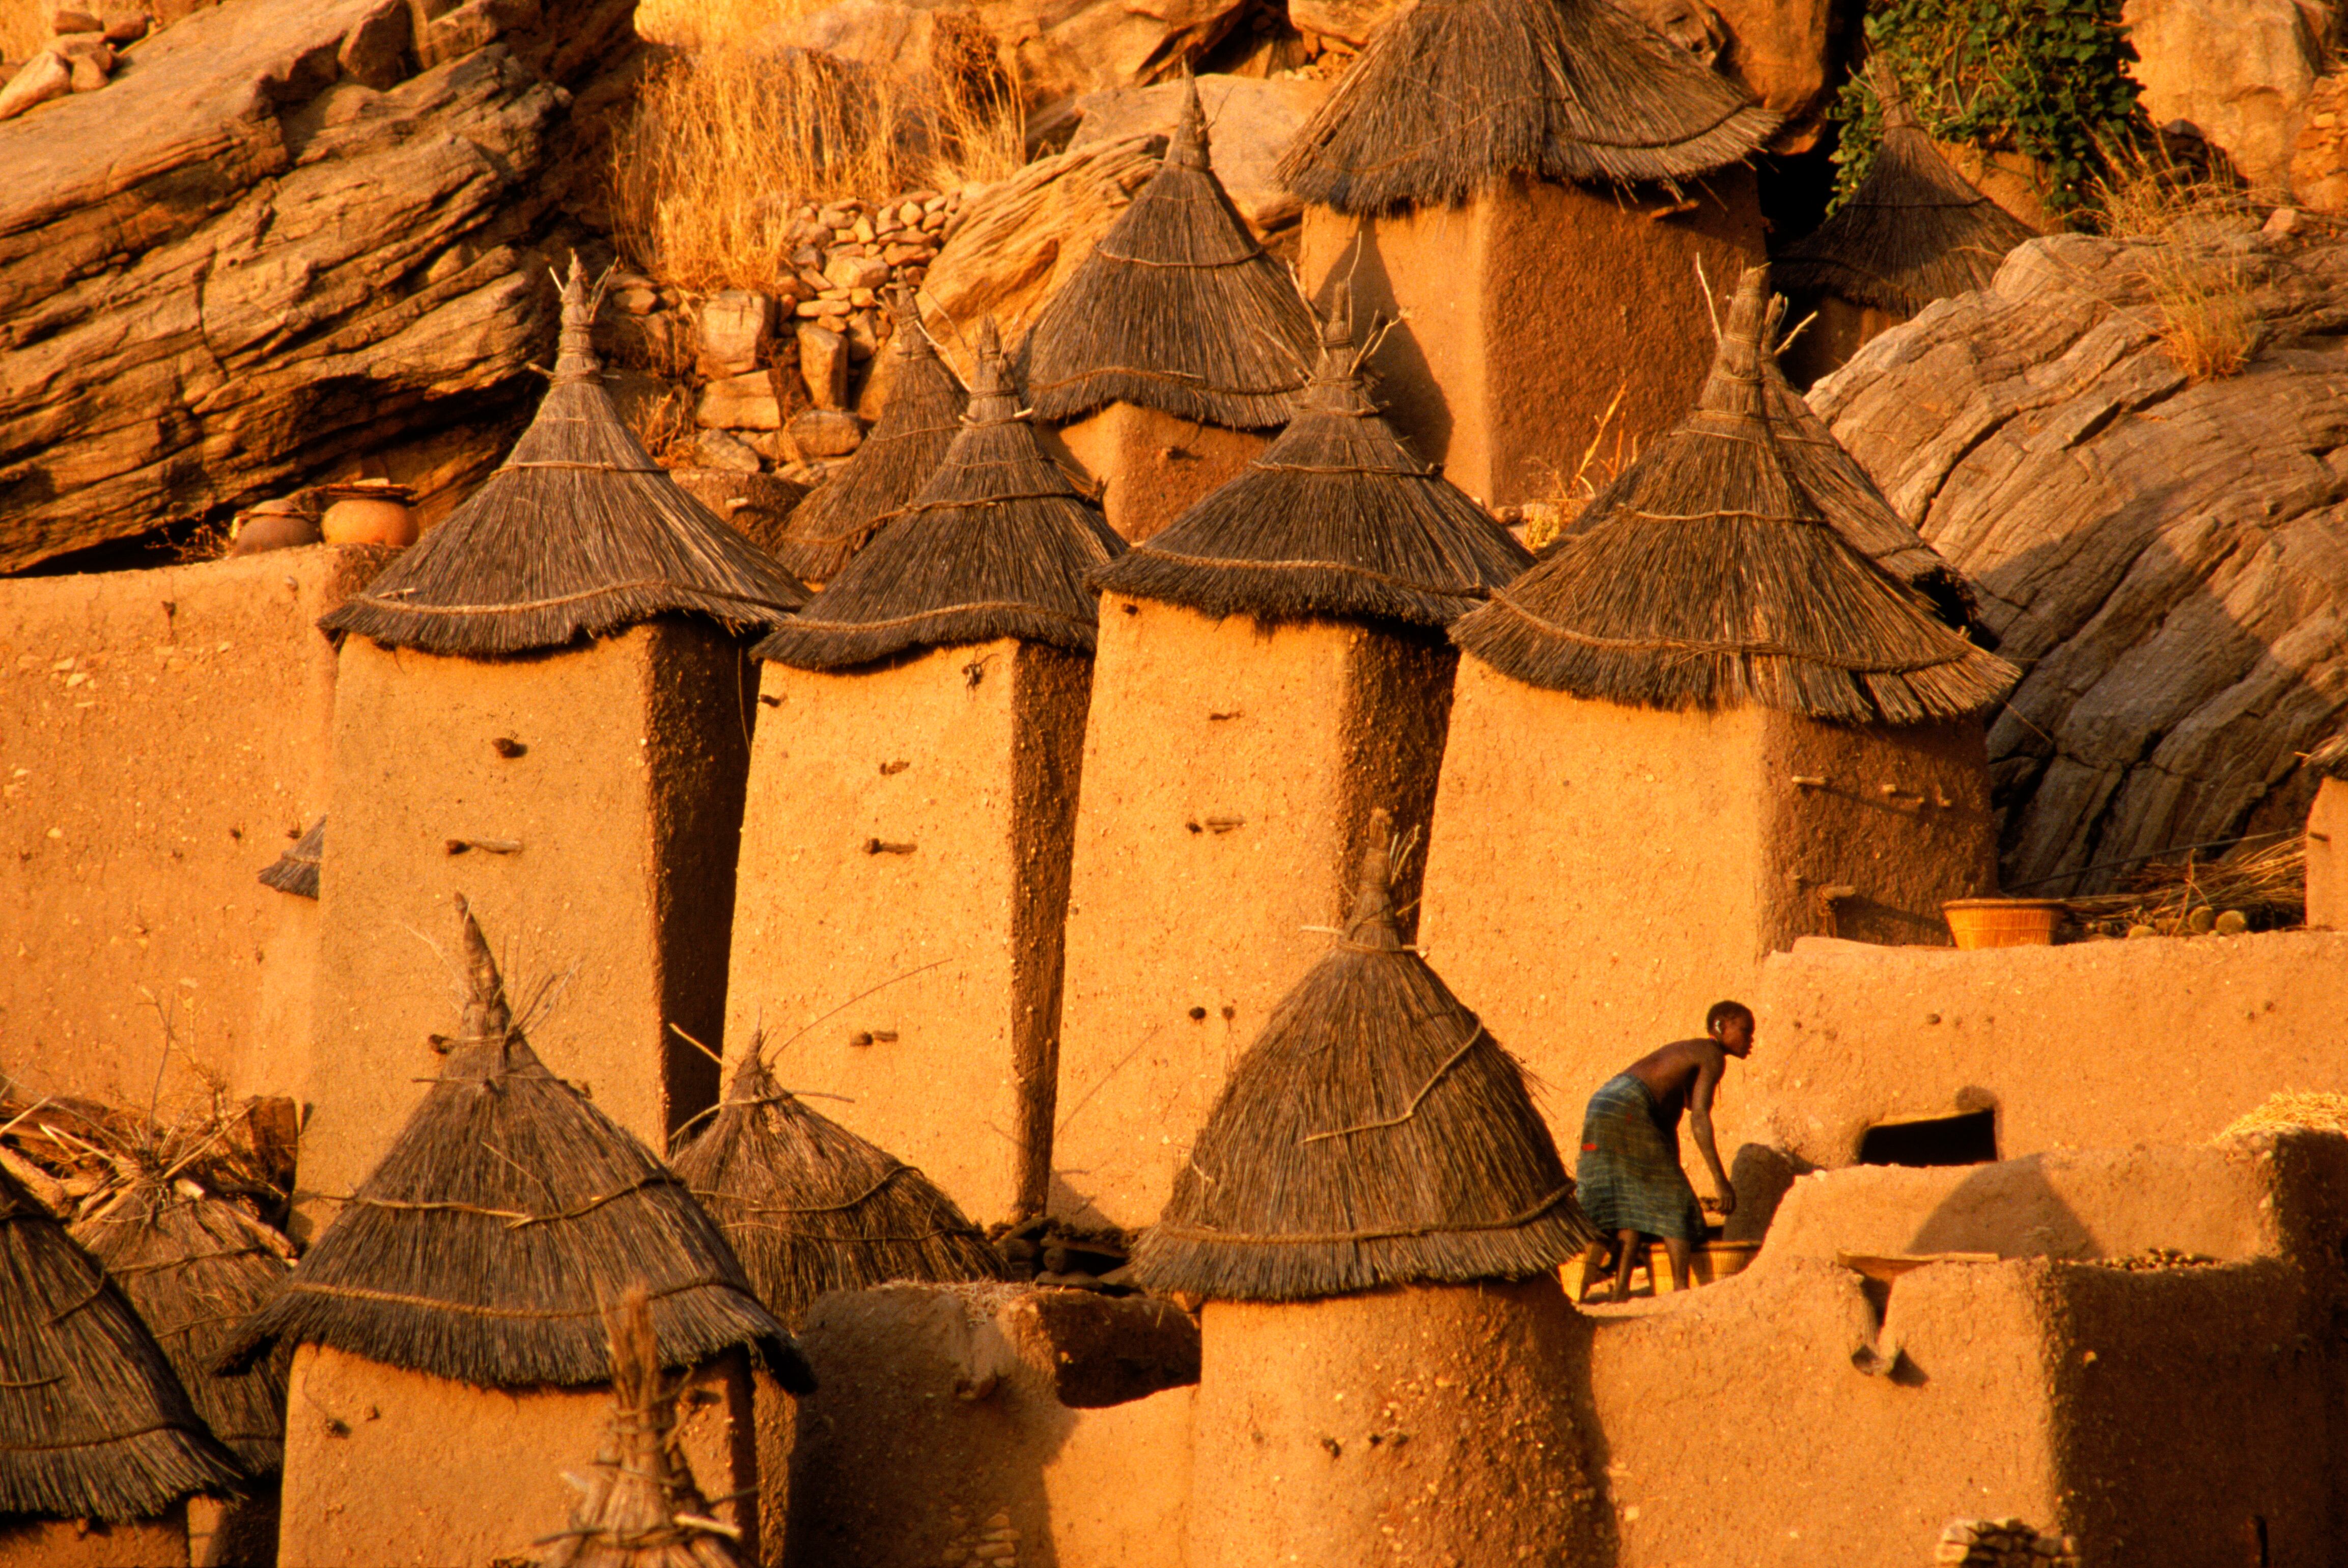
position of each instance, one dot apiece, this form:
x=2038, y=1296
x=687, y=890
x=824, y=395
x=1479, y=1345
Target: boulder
x=44, y=77
x=1022, y=237
x=826, y=432
x=1249, y=123
x=2167, y=560
x=823, y=366
x=733, y=330
x=739, y=403
x=2240, y=72
x=2318, y=159
x=240, y=270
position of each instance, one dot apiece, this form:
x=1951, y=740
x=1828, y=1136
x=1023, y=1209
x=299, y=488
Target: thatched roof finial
x=1372, y=923
x=1734, y=383
x=574, y=358
x=994, y=390
x=487, y=1020
x=1187, y=148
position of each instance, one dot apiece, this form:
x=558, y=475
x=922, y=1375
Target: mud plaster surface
x=80, y=1543
x=2327, y=857
x=1229, y=773
x=626, y=800
x=964, y=762
x=1527, y=310
x=1155, y=466
x=392, y=1469
x=1599, y=876
x=1419, y=1425
x=163, y=738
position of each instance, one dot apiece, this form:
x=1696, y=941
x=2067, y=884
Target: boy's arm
x=1707, y=1079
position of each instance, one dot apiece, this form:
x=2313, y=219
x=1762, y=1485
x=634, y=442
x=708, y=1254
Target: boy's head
x=1731, y=1023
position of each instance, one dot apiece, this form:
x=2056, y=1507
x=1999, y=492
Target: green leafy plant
x=2047, y=78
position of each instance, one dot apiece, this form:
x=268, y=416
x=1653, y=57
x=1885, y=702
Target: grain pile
x=2003, y=1543
x=2287, y=1108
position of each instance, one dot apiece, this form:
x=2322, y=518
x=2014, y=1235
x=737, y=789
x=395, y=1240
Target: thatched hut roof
x=1177, y=308
x=1915, y=231
x=899, y=453
x=1452, y=95
x=641, y=1507
x=1337, y=517
x=484, y=1244
x=579, y=534
x=296, y=871
x=1374, y=1134
x=809, y=1206
x=193, y=1266
x=996, y=545
x=1709, y=574
x=93, y=1422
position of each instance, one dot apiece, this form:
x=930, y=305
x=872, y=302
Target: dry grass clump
x=728, y=141
x=2262, y=888
x=2199, y=293
x=2319, y=1109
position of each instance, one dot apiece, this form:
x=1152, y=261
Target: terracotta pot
x=1978, y=922
x=257, y=531
x=368, y=519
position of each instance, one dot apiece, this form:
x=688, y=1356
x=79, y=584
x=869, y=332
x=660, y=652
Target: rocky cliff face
x=2164, y=557
x=289, y=236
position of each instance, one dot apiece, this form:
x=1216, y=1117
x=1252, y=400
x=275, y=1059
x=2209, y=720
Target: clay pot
x=368, y=519
x=258, y=531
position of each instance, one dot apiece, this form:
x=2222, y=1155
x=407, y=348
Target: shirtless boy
x=1630, y=1177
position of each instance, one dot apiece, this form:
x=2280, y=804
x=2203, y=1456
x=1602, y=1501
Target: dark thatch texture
x=1177, y=308
x=1912, y=233
x=1336, y=518
x=996, y=545
x=1374, y=1134
x=1709, y=575
x=193, y=1266
x=642, y=1509
x=579, y=534
x=899, y=453
x=296, y=871
x=810, y=1207
x=1450, y=97
x=93, y=1423
x=483, y=1245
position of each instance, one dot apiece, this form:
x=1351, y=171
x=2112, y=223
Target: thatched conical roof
x=996, y=545
x=193, y=1266
x=899, y=453
x=94, y=1424
x=1374, y=1134
x=1337, y=517
x=1709, y=574
x=641, y=1507
x=296, y=871
x=482, y=1247
x=809, y=1206
x=1177, y=308
x=579, y=534
x=1915, y=231
x=1450, y=97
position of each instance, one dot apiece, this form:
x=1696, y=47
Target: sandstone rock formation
x=1250, y=124
x=2167, y=559
x=296, y=234
x=2240, y=72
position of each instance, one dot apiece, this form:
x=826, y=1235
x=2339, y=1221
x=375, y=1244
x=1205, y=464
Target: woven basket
x=2003, y=921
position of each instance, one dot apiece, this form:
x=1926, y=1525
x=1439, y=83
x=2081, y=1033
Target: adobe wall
x=935, y=1428
x=903, y=872
x=84, y=1544
x=1229, y=773
x=1420, y=1424
x=163, y=738
x=1155, y=466
x=2088, y=1045
x=390, y=1469
x=1527, y=310
x=625, y=799
x=2327, y=857
x=1597, y=876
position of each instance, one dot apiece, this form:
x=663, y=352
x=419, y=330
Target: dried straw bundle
x=1374, y=1134
x=296, y=871
x=93, y=1423
x=642, y=1509
x=810, y=1207
x=2292, y=1108
x=1177, y=308
x=481, y=1246
x=1708, y=575
x=996, y=545
x=1450, y=97
x=578, y=535
x=1912, y=233
x=905, y=447
x=193, y=1266
x=1336, y=518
